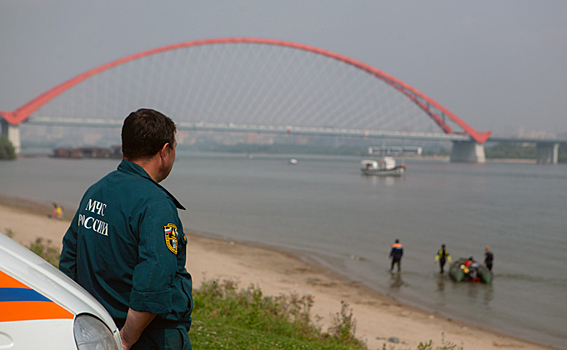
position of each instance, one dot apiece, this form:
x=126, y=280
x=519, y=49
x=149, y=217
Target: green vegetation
x=228, y=318
x=7, y=150
x=445, y=345
x=511, y=151
x=438, y=152
x=45, y=250
x=40, y=247
x=519, y=151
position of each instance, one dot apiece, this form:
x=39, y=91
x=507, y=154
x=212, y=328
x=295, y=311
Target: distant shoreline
x=510, y=160
x=433, y=157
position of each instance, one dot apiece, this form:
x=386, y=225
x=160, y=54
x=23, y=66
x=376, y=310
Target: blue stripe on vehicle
x=20, y=294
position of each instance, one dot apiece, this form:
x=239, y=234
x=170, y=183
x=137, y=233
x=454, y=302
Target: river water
x=326, y=211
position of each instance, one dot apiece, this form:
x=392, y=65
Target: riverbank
x=378, y=317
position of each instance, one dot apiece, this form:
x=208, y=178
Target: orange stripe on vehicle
x=10, y=282
x=32, y=310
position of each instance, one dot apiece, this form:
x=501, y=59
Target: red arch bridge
x=252, y=85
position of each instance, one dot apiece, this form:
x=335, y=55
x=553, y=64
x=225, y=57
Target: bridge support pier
x=467, y=152
x=12, y=132
x=547, y=153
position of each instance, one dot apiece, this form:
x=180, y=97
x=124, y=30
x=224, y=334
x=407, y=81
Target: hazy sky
x=499, y=65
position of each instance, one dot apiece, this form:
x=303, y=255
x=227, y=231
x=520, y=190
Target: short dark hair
x=144, y=133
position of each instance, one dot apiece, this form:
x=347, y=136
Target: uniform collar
x=134, y=168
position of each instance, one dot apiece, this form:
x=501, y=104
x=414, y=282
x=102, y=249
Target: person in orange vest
x=396, y=254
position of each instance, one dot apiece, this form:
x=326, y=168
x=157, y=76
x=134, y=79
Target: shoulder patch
x=171, y=236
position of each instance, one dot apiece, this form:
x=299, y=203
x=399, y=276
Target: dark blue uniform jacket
x=397, y=251
x=126, y=246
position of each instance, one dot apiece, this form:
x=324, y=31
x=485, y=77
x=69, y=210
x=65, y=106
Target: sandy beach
x=378, y=317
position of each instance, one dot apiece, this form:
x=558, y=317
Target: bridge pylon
x=467, y=152
x=12, y=132
x=547, y=152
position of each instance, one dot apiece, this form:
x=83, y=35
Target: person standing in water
x=488, y=258
x=396, y=254
x=442, y=256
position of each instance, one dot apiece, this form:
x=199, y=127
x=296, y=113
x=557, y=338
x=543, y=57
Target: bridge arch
x=434, y=110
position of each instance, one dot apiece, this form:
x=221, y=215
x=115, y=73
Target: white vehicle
x=42, y=308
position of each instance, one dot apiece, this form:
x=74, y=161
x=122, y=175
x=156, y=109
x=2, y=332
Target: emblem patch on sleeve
x=171, y=237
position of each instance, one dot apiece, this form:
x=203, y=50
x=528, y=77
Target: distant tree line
x=7, y=150
x=436, y=152
x=510, y=150
x=281, y=148
x=504, y=150
x=518, y=151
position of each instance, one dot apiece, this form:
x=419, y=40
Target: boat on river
x=88, y=152
x=384, y=167
x=468, y=270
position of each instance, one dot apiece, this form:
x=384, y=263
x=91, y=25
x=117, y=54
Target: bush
x=7, y=150
x=228, y=318
x=40, y=247
x=511, y=151
x=45, y=250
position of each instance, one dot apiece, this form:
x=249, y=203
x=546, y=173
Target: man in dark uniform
x=443, y=256
x=396, y=254
x=488, y=258
x=126, y=244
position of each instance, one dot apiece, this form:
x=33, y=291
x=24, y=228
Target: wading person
x=442, y=256
x=126, y=244
x=488, y=258
x=396, y=255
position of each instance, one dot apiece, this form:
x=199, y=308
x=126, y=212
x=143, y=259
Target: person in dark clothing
x=396, y=254
x=442, y=256
x=488, y=258
x=126, y=245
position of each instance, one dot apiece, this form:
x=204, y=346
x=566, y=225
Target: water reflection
x=474, y=293
x=396, y=281
x=383, y=180
x=488, y=294
x=440, y=280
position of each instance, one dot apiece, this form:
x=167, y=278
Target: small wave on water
x=518, y=277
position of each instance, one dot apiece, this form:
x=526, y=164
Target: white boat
x=293, y=161
x=384, y=167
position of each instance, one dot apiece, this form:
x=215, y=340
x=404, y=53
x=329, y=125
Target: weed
x=445, y=345
x=226, y=317
x=45, y=250
x=344, y=326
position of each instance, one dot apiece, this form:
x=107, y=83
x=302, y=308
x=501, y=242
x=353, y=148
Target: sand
x=378, y=317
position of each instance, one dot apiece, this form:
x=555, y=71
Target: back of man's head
x=144, y=133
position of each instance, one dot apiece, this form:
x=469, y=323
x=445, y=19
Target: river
x=326, y=211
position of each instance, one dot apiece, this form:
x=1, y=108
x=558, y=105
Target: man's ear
x=163, y=151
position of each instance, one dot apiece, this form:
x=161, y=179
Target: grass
x=45, y=250
x=225, y=317
x=42, y=248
